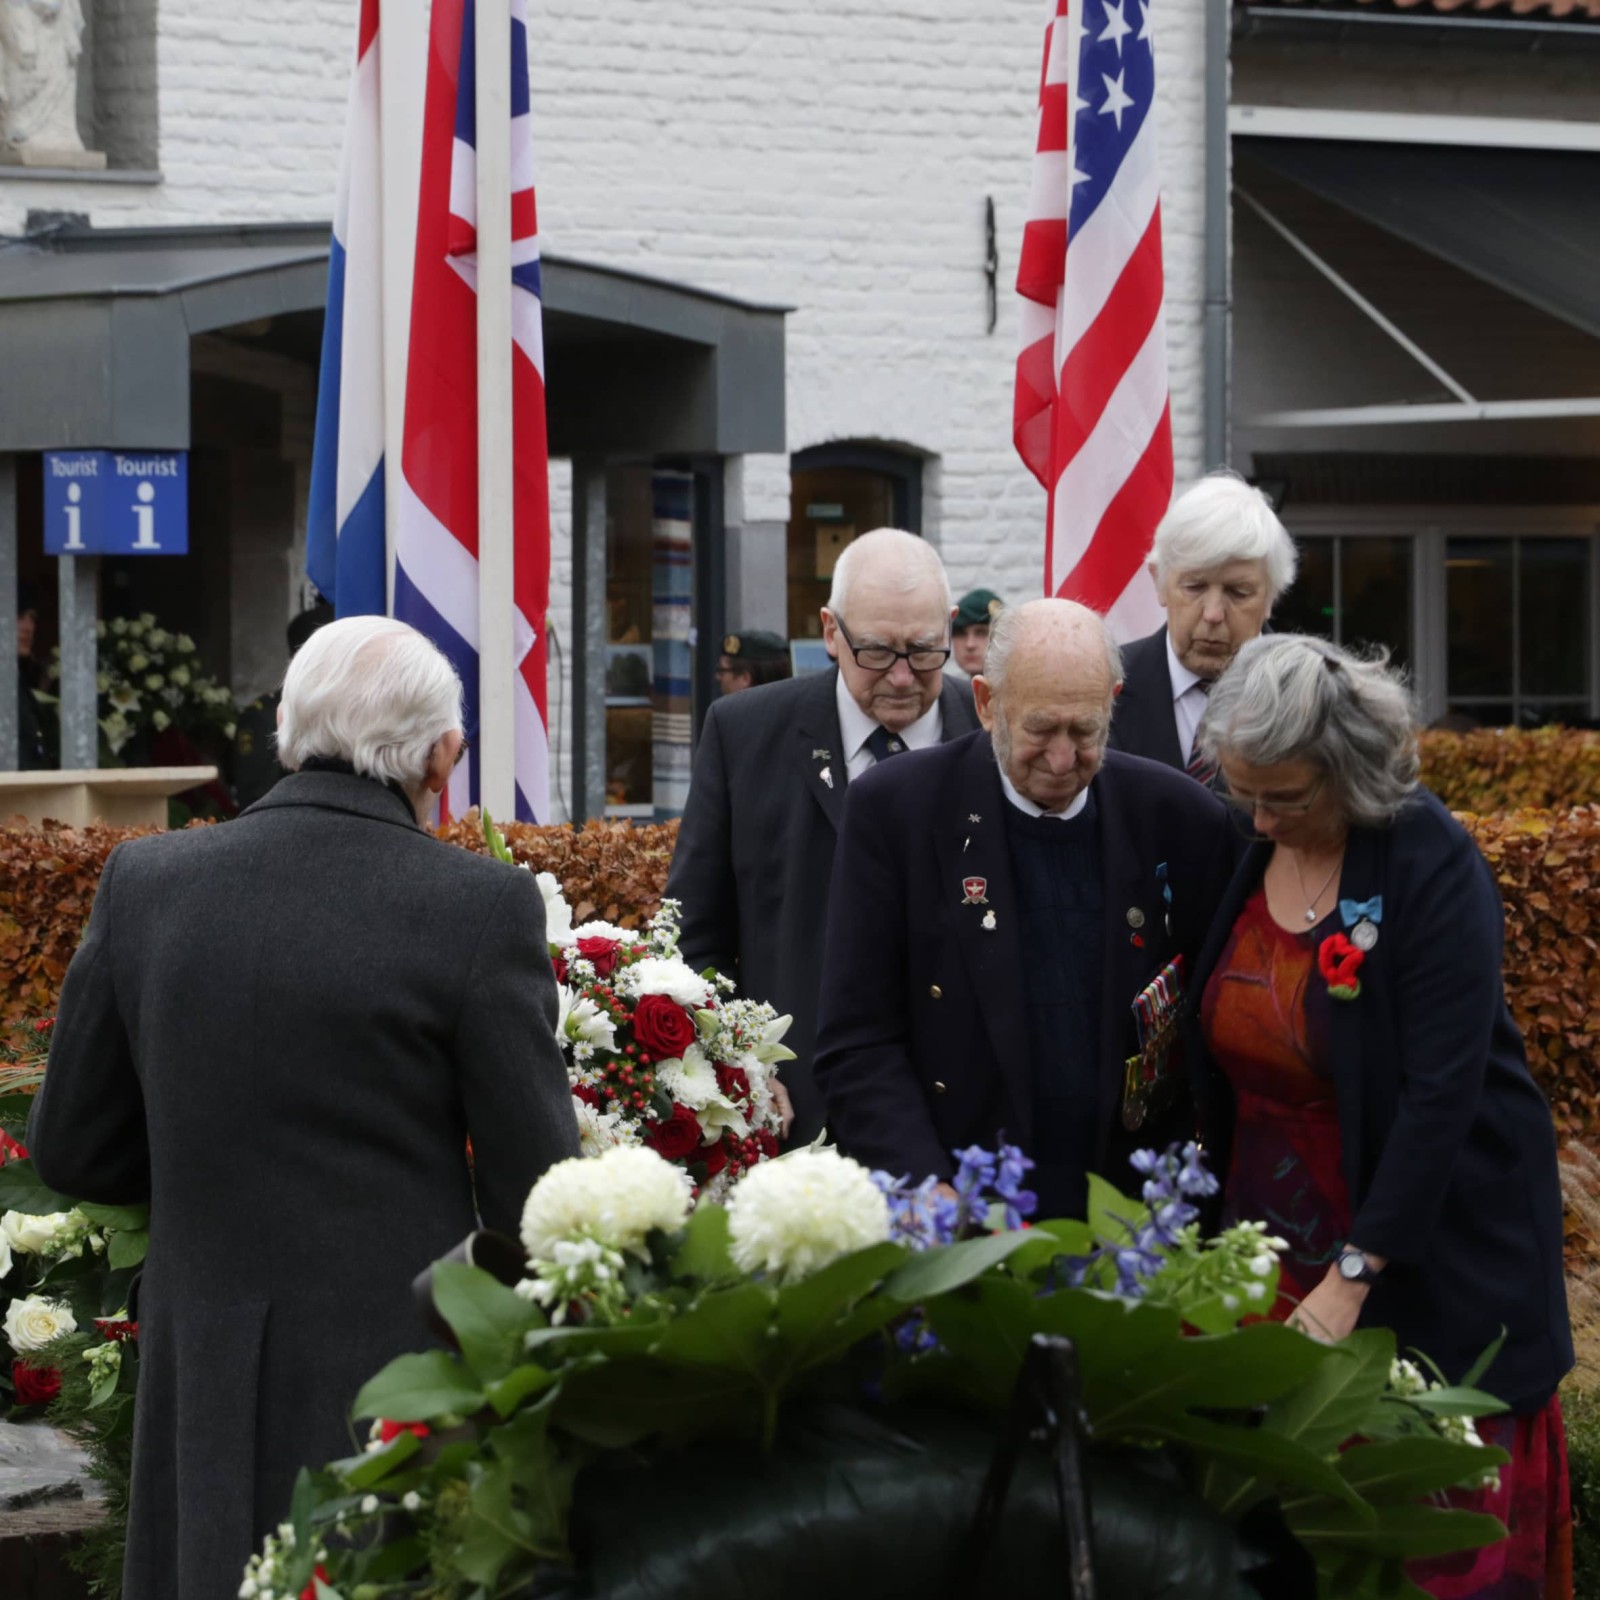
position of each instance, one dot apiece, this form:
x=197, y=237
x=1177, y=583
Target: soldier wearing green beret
x=751, y=658
x=970, y=629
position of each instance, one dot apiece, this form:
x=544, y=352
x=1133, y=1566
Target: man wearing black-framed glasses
x=755, y=847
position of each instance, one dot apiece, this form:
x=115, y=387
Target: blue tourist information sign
x=116, y=503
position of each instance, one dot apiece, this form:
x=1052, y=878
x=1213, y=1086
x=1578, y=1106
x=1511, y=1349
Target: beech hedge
x=1512, y=769
x=1547, y=863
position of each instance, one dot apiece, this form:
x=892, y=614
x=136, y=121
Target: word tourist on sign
x=116, y=503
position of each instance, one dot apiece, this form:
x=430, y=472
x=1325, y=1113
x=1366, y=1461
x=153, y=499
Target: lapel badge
x=972, y=816
x=973, y=893
x=988, y=922
x=1135, y=917
x=827, y=776
x=1366, y=915
x=820, y=755
x=1364, y=935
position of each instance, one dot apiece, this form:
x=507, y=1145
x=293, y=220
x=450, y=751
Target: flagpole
x=496, y=726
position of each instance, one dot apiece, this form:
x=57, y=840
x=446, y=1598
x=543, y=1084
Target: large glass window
x=839, y=491
x=1518, y=630
x=1355, y=591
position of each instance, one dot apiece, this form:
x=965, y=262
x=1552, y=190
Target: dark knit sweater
x=1055, y=865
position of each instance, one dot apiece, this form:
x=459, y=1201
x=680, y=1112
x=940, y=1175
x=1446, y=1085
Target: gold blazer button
x=939, y=1088
x=936, y=991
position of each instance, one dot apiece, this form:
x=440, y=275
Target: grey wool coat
x=281, y=1031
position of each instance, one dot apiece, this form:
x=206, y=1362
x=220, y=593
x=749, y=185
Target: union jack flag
x=1092, y=416
x=436, y=538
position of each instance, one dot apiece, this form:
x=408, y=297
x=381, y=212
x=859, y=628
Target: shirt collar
x=856, y=727
x=1183, y=680
x=1029, y=809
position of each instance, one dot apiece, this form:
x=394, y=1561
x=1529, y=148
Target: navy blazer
x=1448, y=1148
x=1143, y=722
x=755, y=849
x=922, y=1039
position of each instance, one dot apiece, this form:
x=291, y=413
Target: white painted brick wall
x=833, y=155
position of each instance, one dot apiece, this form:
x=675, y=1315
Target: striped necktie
x=1202, y=768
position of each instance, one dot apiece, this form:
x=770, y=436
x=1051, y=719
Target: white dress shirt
x=1029, y=809
x=855, y=728
x=1188, y=700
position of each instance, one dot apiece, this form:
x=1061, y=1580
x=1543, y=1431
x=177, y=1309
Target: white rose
x=32, y=1323
x=557, y=913
x=5, y=1255
x=34, y=1235
x=791, y=1217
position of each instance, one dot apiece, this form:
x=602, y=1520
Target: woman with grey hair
x=1363, y=1089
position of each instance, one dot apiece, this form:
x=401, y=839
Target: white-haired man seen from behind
x=282, y=1033
x=755, y=848
x=1220, y=560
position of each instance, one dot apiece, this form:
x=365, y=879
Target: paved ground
x=43, y=1485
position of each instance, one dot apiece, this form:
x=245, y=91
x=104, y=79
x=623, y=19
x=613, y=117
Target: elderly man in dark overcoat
x=282, y=1033
x=1220, y=560
x=1011, y=919
x=755, y=848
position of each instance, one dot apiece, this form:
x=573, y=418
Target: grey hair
x=1012, y=622
x=373, y=692
x=906, y=562
x=1221, y=519
x=1291, y=697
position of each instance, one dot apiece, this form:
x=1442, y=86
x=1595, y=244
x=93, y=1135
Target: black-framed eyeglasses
x=461, y=754
x=880, y=658
x=1249, y=804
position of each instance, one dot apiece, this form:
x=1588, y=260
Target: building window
x=840, y=490
x=1356, y=591
x=1518, y=630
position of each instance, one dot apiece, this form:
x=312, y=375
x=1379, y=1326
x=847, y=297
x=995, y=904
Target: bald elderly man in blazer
x=755, y=848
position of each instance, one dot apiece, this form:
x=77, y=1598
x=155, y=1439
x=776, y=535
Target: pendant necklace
x=1311, y=900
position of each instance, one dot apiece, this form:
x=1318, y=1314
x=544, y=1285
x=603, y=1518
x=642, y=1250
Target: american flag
x=1093, y=419
x=345, y=552
x=436, y=540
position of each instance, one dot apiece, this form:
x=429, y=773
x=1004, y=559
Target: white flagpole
x=496, y=717
x=403, y=79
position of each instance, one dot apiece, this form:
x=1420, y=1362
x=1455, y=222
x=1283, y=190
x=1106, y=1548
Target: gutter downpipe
x=1215, y=335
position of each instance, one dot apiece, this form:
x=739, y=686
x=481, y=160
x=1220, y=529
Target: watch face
x=1353, y=1266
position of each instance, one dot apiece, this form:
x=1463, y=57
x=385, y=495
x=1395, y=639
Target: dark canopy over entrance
x=96, y=327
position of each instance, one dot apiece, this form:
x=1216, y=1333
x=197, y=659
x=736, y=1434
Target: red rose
x=679, y=1136
x=388, y=1432
x=559, y=963
x=662, y=1027
x=603, y=953
x=716, y=1158
x=10, y=1150
x=310, y=1590
x=35, y=1386
x=585, y=1093
x=116, y=1330
x=734, y=1083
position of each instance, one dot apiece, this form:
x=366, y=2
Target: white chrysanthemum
x=603, y=930
x=599, y=1131
x=691, y=1081
x=677, y=980
x=795, y=1215
x=617, y=1197
x=557, y=913
x=31, y=1323
x=583, y=1022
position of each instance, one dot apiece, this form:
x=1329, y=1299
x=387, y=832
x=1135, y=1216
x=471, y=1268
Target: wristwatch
x=1355, y=1268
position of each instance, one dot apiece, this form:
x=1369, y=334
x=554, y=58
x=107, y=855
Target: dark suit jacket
x=1144, y=723
x=755, y=850
x=1447, y=1143
x=922, y=1046
x=281, y=1031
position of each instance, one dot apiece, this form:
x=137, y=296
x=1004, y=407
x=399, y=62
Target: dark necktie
x=884, y=744
x=1202, y=768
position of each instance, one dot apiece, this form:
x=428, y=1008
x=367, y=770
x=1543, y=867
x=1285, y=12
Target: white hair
x=1291, y=697
x=1222, y=519
x=900, y=560
x=1012, y=623
x=373, y=692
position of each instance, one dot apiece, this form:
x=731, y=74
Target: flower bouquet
x=799, y=1388
x=659, y=1055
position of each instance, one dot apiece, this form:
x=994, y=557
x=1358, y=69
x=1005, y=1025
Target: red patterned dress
x=1265, y=1014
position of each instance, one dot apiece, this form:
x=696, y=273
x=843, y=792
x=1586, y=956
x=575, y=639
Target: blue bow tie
x=1352, y=911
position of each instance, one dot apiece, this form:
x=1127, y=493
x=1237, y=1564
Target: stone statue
x=41, y=45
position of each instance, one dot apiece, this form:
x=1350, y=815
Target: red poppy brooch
x=1339, y=962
